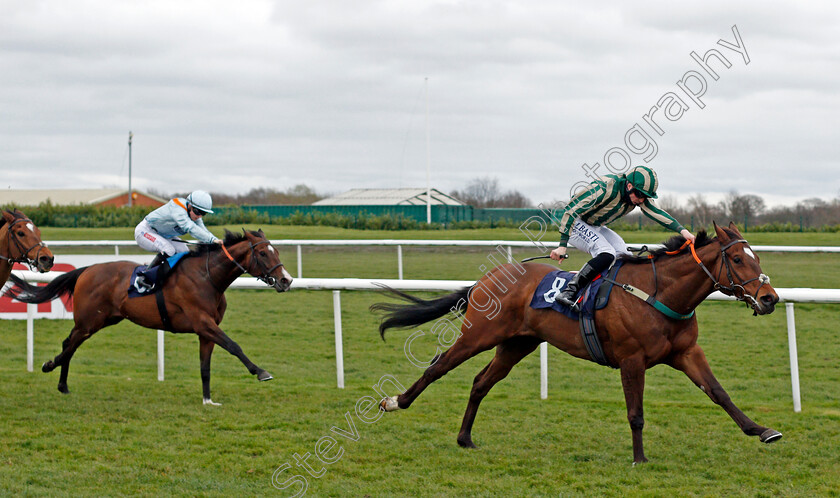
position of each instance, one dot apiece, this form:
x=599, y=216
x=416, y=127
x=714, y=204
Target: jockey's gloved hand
x=687, y=235
x=559, y=254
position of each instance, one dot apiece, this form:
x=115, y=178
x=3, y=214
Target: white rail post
x=30, y=336
x=794, y=361
x=116, y=250
x=399, y=263
x=543, y=370
x=510, y=254
x=339, y=352
x=160, y=354
x=300, y=262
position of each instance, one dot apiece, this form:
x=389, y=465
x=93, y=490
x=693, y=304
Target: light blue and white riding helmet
x=201, y=201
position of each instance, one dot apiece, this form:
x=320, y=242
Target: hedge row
x=49, y=215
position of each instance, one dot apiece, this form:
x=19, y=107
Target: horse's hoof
x=264, y=376
x=208, y=401
x=389, y=404
x=63, y=389
x=466, y=443
x=47, y=366
x=770, y=436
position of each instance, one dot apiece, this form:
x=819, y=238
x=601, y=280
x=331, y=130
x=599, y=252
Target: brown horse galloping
x=20, y=242
x=634, y=335
x=193, y=293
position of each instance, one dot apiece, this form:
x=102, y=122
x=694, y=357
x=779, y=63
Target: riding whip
x=543, y=257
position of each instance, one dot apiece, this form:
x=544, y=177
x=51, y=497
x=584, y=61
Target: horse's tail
x=419, y=310
x=25, y=292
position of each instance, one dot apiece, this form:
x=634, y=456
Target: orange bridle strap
x=678, y=250
x=227, y=253
x=694, y=253
x=686, y=243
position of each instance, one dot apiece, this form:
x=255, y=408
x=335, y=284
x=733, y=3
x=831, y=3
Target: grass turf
x=121, y=432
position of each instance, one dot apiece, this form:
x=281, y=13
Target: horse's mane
x=230, y=239
x=671, y=245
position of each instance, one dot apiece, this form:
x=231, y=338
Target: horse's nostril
x=769, y=299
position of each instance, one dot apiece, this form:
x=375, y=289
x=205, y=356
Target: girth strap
x=591, y=341
x=161, y=305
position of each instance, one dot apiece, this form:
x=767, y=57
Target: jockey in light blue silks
x=176, y=217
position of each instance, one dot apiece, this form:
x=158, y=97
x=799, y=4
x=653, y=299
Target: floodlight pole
x=428, y=162
x=130, y=136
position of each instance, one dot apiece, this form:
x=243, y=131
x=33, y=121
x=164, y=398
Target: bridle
x=736, y=290
x=265, y=274
x=14, y=239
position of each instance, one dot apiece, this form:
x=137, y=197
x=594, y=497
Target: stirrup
x=572, y=304
x=141, y=285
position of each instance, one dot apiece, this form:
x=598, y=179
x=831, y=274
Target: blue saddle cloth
x=151, y=276
x=554, y=282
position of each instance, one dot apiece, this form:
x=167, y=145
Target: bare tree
x=703, y=212
x=485, y=192
x=742, y=207
x=298, y=195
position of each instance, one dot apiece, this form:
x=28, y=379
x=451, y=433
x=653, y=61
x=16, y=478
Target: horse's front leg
x=211, y=332
x=205, y=349
x=693, y=363
x=633, y=381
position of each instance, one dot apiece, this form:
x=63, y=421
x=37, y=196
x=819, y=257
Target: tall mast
x=428, y=162
x=130, y=136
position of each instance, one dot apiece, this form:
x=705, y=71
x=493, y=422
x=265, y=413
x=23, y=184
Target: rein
x=12, y=238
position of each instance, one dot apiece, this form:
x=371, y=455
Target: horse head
x=23, y=242
x=746, y=280
x=264, y=262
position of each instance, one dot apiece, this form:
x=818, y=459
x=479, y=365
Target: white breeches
x=150, y=240
x=596, y=240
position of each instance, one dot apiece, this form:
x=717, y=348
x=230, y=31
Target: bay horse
x=193, y=294
x=20, y=242
x=634, y=335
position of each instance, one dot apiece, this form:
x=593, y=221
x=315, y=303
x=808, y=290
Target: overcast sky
x=227, y=96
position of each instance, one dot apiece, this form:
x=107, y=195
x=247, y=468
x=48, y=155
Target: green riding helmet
x=644, y=180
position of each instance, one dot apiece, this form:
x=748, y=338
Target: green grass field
x=121, y=432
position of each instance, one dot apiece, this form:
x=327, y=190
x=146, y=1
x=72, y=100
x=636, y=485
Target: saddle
x=596, y=296
x=154, y=276
x=592, y=299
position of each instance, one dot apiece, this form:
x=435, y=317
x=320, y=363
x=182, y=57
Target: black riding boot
x=141, y=282
x=584, y=277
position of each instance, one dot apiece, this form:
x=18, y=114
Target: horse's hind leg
x=205, y=348
x=461, y=351
x=508, y=354
x=694, y=364
x=69, y=347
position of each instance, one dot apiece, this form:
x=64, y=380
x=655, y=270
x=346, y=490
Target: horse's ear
x=8, y=215
x=734, y=228
x=721, y=233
